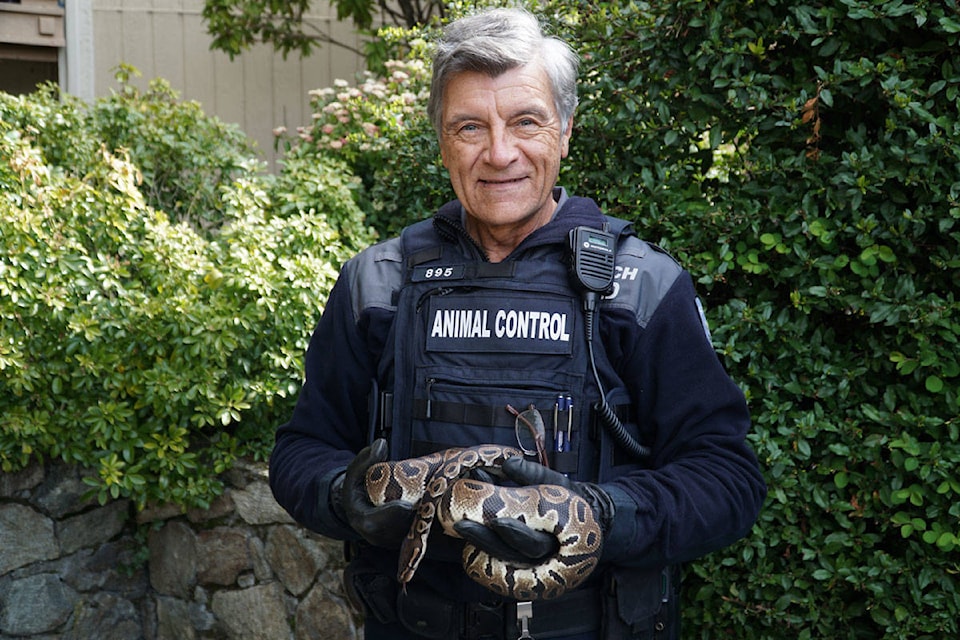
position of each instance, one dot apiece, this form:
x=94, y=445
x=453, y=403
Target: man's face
x=502, y=142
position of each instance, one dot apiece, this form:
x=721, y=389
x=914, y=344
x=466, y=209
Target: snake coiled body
x=435, y=483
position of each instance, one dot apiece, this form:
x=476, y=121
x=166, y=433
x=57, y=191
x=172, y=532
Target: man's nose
x=502, y=148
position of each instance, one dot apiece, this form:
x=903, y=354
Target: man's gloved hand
x=509, y=539
x=512, y=540
x=384, y=526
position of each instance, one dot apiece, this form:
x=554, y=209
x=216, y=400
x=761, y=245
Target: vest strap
x=474, y=414
x=425, y=255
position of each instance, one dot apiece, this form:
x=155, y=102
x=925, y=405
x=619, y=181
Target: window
x=31, y=33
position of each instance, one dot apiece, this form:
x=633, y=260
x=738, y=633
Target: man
x=509, y=298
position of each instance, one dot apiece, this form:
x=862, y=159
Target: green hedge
x=803, y=161
x=153, y=351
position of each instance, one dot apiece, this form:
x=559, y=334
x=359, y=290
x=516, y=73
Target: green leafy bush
x=183, y=154
x=803, y=161
x=150, y=351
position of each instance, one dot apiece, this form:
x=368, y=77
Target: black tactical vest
x=475, y=342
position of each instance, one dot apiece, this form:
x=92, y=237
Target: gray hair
x=496, y=41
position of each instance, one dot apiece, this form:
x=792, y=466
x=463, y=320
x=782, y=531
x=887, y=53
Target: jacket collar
x=572, y=211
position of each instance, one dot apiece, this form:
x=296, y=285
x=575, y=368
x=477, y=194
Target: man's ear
x=565, y=139
x=443, y=157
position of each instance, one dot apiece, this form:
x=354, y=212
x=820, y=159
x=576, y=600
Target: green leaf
x=947, y=541
x=949, y=25
x=841, y=480
x=933, y=384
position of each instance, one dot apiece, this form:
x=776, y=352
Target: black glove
x=384, y=526
x=510, y=539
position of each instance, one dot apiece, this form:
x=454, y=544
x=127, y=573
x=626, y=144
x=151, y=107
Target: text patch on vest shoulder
x=500, y=324
x=445, y=272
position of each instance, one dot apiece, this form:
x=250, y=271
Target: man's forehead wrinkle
x=477, y=103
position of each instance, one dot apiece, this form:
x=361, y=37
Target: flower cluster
x=357, y=120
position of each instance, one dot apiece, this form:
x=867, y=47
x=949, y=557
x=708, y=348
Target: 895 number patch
x=447, y=272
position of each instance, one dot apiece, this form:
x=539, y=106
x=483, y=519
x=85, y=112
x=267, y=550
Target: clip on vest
x=524, y=614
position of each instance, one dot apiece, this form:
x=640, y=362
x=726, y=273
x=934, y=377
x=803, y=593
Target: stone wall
x=75, y=570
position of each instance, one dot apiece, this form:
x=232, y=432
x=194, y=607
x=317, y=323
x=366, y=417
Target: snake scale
x=436, y=484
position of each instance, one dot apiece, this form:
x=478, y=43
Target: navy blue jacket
x=703, y=489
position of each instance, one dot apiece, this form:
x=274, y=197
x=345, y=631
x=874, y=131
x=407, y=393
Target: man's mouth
x=502, y=181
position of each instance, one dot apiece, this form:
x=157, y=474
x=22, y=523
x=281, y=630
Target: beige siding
x=258, y=90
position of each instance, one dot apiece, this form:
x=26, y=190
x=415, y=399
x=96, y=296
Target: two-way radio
x=593, y=258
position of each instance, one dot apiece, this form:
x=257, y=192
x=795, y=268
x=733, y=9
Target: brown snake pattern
x=434, y=481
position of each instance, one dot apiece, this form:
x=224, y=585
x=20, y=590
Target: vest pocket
x=480, y=406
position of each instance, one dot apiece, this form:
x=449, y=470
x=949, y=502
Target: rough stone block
x=93, y=528
x=291, y=560
x=223, y=554
x=173, y=559
x=35, y=604
x=258, y=613
x=321, y=616
x=26, y=537
x=256, y=505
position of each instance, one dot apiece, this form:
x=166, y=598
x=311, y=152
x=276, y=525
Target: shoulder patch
x=644, y=274
x=375, y=274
